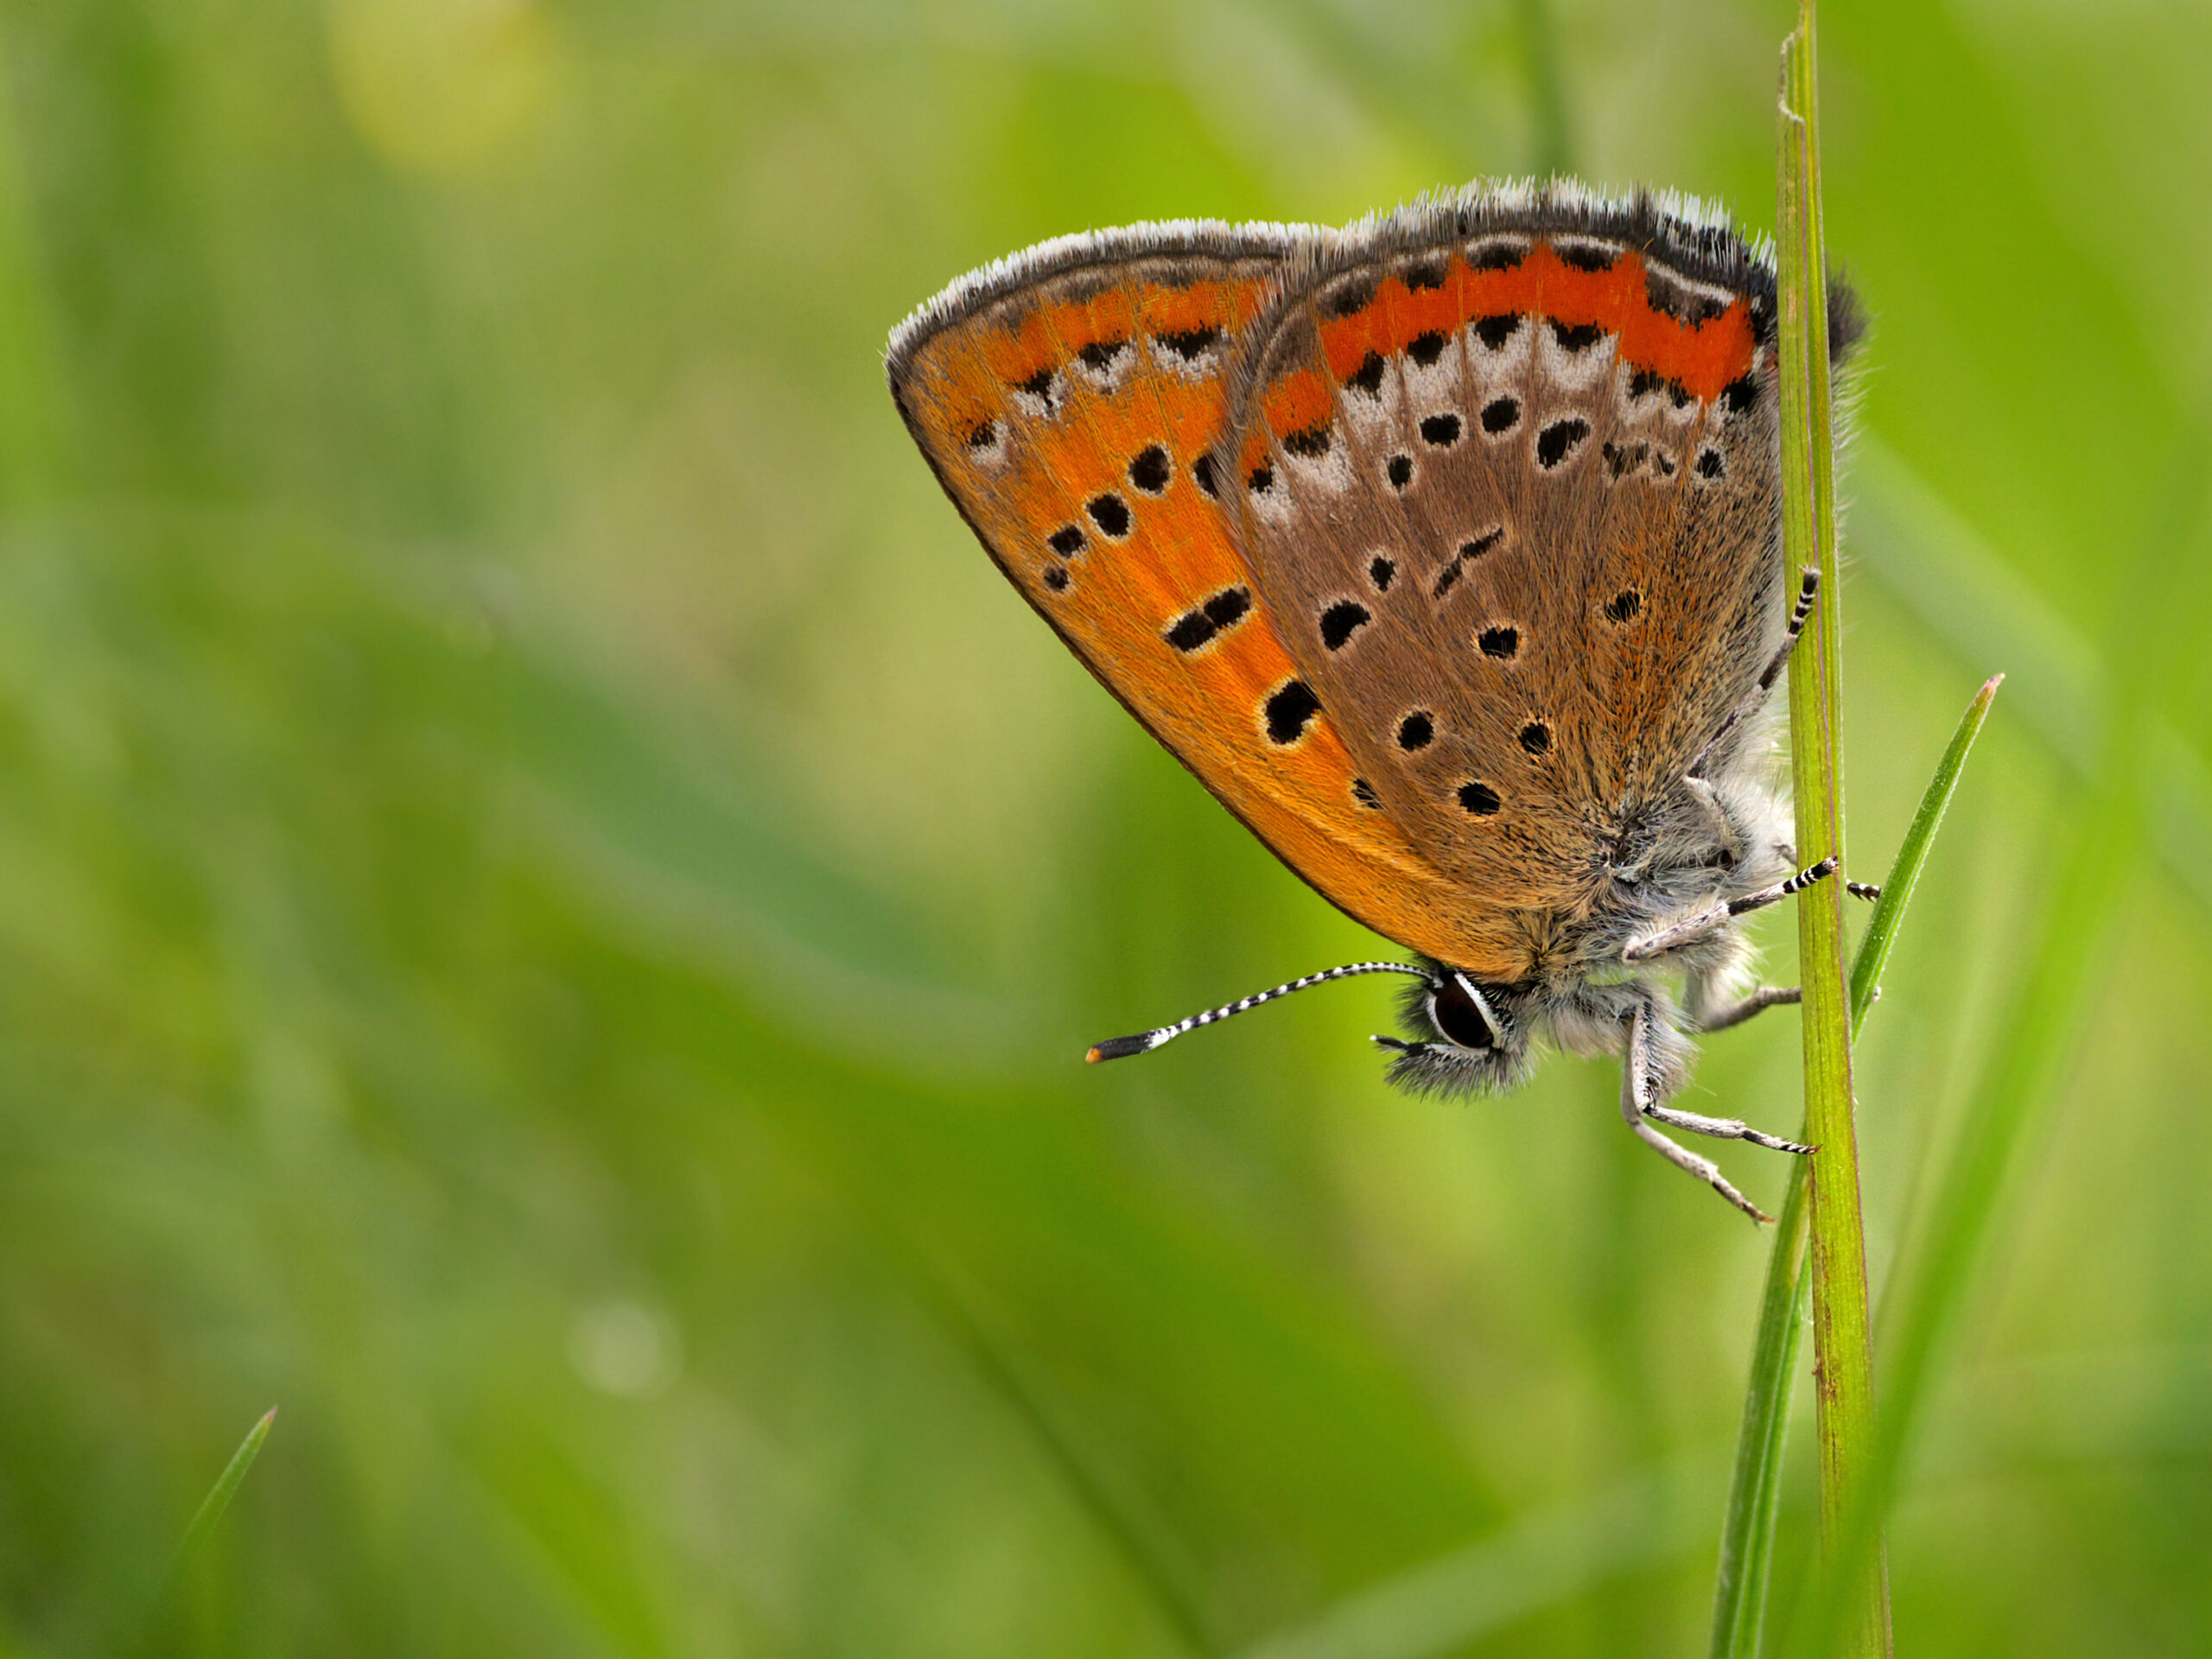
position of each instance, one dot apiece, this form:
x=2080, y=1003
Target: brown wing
x=1507, y=472
x=1068, y=400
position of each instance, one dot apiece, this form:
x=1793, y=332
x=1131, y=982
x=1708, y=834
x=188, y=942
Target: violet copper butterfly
x=1444, y=550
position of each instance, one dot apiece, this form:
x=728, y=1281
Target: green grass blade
x=225, y=1488
x=2038, y=1032
x=1747, y=1534
x=1754, y=1488
x=1912, y=856
x=1842, y=1331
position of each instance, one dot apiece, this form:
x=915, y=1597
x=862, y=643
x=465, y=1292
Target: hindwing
x=1507, y=469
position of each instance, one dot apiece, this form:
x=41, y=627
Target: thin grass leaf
x=225, y=1488
x=1881, y=934
x=1842, y=1331
x=1755, y=1491
x=1754, y=1497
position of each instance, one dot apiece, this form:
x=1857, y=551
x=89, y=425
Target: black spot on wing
x=1670, y=299
x=1150, y=471
x=1191, y=343
x=1470, y=550
x=1586, y=255
x=1289, y=710
x=1110, y=513
x=1495, y=332
x=1228, y=607
x=1342, y=620
x=1099, y=356
x=1479, y=799
x=1198, y=627
x=1557, y=443
x=1351, y=299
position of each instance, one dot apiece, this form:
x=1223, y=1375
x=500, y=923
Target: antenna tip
x=1118, y=1048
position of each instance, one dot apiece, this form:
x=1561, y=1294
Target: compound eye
x=1455, y=1012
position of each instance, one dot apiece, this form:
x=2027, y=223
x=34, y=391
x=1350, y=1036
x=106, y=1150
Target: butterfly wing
x=1068, y=400
x=1507, y=470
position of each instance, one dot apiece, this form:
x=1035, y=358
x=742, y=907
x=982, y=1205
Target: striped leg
x=1696, y=926
x=1636, y=1105
x=1808, y=588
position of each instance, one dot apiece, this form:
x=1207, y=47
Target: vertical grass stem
x=1747, y=1532
x=1842, y=1331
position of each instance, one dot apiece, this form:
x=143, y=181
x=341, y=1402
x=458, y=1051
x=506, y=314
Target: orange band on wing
x=1702, y=358
x=1298, y=401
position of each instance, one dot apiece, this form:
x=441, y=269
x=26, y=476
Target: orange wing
x=1068, y=400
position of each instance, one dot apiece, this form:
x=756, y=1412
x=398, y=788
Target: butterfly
x=1444, y=550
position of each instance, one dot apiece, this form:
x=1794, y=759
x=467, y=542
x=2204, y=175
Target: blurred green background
x=550, y=900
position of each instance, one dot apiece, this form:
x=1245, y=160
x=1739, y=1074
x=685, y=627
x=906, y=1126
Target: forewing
x=1068, y=400
x=1507, y=470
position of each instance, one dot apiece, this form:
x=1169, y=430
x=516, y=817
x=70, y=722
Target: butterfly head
x=1467, y=1033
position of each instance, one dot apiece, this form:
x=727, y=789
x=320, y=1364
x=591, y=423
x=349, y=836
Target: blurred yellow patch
x=450, y=88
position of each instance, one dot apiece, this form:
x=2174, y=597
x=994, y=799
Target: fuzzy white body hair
x=1670, y=859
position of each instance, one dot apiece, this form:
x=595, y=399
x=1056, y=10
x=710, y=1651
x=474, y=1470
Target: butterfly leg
x=1638, y=1105
x=1808, y=588
x=1697, y=926
x=1767, y=996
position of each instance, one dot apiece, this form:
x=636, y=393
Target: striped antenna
x=1115, y=1048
